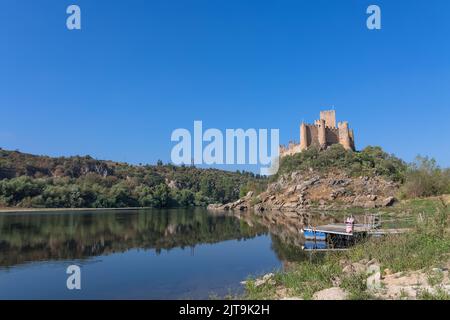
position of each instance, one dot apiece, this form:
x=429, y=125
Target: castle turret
x=352, y=139
x=322, y=134
x=344, y=135
x=330, y=118
x=303, y=137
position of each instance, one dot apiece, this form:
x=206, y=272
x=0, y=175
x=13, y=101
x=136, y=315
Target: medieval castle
x=322, y=134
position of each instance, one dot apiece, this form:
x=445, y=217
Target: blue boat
x=311, y=234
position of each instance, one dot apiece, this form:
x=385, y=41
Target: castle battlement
x=322, y=134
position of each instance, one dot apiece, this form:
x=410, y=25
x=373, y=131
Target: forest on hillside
x=83, y=182
x=32, y=181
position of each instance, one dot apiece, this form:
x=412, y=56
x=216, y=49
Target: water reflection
x=56, y=236
x=155, y=254
x=80, y=235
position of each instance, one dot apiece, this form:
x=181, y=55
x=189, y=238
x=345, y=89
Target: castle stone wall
x=313, y=135
x=332, y=136
x=322, y=134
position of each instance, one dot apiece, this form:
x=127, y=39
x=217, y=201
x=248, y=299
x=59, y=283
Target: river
x=138, y=254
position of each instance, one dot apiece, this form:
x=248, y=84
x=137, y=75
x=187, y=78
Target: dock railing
x=372, y=221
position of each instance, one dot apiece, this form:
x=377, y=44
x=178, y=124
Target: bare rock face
x=408, y=285
x=389, y=201
x=266, y=279
x=369, y=205
x=365, y=201
x=334, y=293
x=218, y=207
x=300, y=191
x=355, y=268
x=214, y=206
x=172, y=184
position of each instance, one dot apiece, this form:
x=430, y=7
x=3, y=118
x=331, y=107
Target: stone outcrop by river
x=300, y=191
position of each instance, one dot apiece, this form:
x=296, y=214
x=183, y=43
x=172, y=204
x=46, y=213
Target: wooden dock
x=334, y=236
x=338, y=231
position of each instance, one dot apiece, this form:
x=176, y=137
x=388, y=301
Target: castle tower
x=352, y=139
x=303, y=137
x=322, y=134
x=344, y=135
x=330, y=118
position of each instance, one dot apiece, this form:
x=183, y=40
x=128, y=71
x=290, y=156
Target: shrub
x=372, y=161
x=425, y=178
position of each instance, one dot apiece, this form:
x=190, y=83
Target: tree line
x=84, y=182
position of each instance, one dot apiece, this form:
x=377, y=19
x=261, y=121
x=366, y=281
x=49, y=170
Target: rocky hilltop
x=300, y=191
x=330, y=179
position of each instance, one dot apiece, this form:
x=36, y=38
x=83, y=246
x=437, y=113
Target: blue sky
x=139, y=69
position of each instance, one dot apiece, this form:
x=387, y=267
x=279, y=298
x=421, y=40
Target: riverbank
x=408, y=266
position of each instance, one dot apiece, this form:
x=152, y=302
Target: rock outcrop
x=334, y=293
x=299, y=191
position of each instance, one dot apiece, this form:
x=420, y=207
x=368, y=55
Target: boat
x=312, y=234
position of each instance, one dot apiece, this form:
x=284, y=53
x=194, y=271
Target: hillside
x=330, y=179
x=83, y=182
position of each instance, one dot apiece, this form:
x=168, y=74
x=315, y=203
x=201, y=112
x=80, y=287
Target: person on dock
x=350, y=222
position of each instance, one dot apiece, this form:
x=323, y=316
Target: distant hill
x=28, y=180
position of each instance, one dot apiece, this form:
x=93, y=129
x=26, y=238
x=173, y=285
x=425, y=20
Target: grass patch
x=308, y=278
x=404, y=295
x=263, y=292
x=424, y=247
x=411, y=251
x=303, y=280
x=439, y=294
x=435, y=277
x=356, y=286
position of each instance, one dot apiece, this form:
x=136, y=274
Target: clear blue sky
x=141, y=68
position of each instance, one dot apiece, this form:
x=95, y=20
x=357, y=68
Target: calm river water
x=145, y=254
